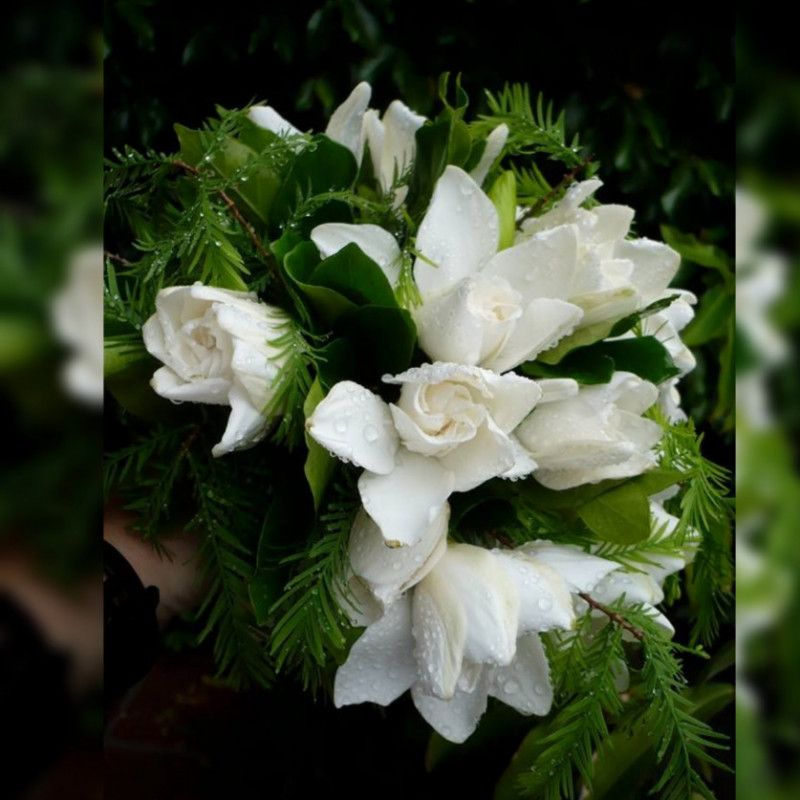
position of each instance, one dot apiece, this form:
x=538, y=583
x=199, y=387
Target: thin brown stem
x=234, y=211
x=612, y=615
x=118, y=258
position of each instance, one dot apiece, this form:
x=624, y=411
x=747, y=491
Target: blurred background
x=653, y=101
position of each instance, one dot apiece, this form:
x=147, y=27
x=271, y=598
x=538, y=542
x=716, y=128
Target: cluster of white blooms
x=456, y=623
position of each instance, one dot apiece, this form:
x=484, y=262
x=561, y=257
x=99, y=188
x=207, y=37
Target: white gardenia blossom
x=481, y=306
x=466, y=628
x=215, y=345
x=77, y=319
x=450, y=430
x=614, y=276
x=592, y=433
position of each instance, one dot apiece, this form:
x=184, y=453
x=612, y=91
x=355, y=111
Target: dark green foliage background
x=652, y=102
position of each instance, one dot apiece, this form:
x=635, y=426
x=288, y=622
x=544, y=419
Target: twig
x=246, y=226
x=568, y=178
x=119, y=259
x=231, y=206
x=612, y=615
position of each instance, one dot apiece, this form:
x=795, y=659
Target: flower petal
x=556, y=389
x=381, y=665
x=246, y=424
x=488, y=454
x=459, y=233
x=495, y=142
x=448, y=329
x=405, y=501
x=346, y=123
x=544, y=599
x=525, y=683
x=376, y=243
x=512, y=398
x=581, y=571
x=542, y=325
x=611, y=222
x=390, y=571
x=454, y=719
x=355, y=425
x=209, y=390
x=464, y=609
x=267, y=117
x=542, y=266
x=400, y=125
x=654, y=265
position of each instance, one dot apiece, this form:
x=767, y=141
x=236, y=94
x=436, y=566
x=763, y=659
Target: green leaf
x=643, y=355
x=711, y=321
x=692, y=249
x=263, y=589
x=504, y=196
x=621, y=515
x=627, y=323
x=580, y=338
x=355, y=276
x=656, y=480
x=383, y=340
x=320, y=465
x=433, y=142
x=324, y=166
x=339, y=284
x=261, y=187
x=582, y=365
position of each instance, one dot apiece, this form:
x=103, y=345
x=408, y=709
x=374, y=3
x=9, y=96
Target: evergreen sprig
x=225, y=512
x=533, y=130
x=705, y=508
x=311, y=630
x=587, y=666
x=683, y=740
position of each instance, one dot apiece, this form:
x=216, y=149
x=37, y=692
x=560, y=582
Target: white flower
x=77, y=319
x=614, y=276
x=484, y=307
x=346, y=125
x=449, y=431
x=392, y=144
x=467, y=630
x=215, y=344
x=596, y=433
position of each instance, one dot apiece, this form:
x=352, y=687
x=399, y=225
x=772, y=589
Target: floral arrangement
x=425, y=415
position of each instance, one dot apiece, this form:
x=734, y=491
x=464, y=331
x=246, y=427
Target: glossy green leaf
x=319, y=465
x=621, y=515
x=692, y=249
x=504, y=196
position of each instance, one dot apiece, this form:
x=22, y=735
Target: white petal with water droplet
x=406, y=500
x=355, y=424
x=380, y=666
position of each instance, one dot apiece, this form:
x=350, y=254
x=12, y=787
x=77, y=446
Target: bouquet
x=417, y=388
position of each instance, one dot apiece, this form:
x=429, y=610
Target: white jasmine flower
x=215, y=344
x=77, y=319
x=467, y=630
x=596, y=433
x=450, y=430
